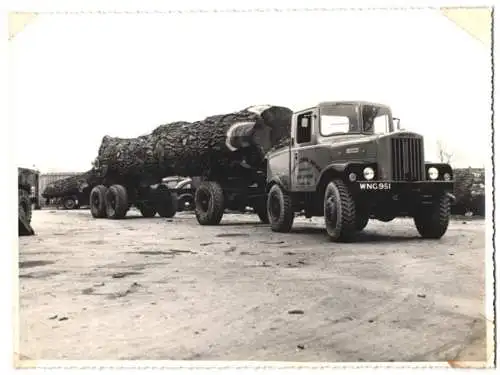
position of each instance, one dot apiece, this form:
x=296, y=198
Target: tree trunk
x=71, y=185
x=218, y=145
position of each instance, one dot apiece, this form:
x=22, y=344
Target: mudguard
x=282, y=181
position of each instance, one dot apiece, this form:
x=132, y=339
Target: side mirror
x=396, y=121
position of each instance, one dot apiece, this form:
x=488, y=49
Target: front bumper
x=402, y=187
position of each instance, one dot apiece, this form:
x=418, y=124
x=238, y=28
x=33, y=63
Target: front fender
x=343, y=168
x=282, y=181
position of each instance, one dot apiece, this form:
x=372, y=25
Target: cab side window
x=304, y=128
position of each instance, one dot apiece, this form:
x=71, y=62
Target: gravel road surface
x=171, y=289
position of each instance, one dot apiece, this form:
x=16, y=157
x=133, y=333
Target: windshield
x=338, y=119
x=376, y=119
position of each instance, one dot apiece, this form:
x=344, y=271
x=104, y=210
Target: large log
x=217, y=145
x=71, y=185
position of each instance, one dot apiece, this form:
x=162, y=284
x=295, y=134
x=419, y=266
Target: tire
x=261, y=211
x=432, y=221
x=116, y=202
x=166, y=202
x=69, y=203
x=339, y=212
x=361, y=222
x=98, y=201
x=25, y=207
x=209, y=203
x=147, y=209
x=279, y=210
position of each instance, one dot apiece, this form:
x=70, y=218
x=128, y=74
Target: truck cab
x=349, y=162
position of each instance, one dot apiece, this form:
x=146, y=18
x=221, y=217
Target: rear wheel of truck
x=261, y=210
x=432, y=221
x=166, y=202
x=98, y=201
x=116, y=202
x=25, y=208
x=279, y=210
x=209, y=203
x=69, y=203
x=339, y=212
x=147, y=209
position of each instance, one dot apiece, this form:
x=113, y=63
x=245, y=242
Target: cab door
x=303, y=170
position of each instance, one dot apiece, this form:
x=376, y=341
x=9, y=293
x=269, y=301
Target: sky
x=75, y=78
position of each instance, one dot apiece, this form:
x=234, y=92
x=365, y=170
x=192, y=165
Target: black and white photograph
x=253, y=184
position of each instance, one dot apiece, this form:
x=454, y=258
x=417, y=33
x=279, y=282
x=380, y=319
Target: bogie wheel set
x=114, y=203
x=209, y=201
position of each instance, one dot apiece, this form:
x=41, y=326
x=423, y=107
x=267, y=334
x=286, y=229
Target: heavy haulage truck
x=225, y=153
x=349, y=162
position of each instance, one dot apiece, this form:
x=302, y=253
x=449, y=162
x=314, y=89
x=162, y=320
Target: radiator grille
x=407, y=159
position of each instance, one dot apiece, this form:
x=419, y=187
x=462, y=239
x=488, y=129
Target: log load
x=217, y=146
x=71, y=185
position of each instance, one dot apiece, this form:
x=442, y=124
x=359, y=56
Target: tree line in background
x=469, y=185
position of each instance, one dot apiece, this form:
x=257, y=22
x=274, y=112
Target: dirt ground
x=172, y=289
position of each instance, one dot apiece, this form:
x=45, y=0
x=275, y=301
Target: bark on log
x=217, y=145
x=71, y=185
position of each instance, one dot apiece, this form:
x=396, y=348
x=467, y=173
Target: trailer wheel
x=147, y=209
x=69, y=203
x=339, y=211
x=280, y=210
x=209, y=203
x=98, y=201
x=166, y=202
x=261, y=210
x=116, y=202
x=432, y=221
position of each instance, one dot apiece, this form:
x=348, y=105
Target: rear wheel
x=166, y=202
x=432, y=221
x=147, y=209
x=279, y=210
x=116, y=202
x=69, y=203
x=339, y=211
x=209, y=203
x=98, y=201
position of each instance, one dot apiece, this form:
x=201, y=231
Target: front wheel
x=339, y=212
x=260, y=209
x=280, y=210
x=209, y=203
x=432, y=221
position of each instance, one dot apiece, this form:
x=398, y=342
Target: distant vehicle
x=183, y=186
x=27, y=182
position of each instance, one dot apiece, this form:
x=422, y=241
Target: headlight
x=447, y=177
x=433, y=173
x=368, y=173
x=352, y=177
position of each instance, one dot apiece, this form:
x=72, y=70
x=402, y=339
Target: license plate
x=375, y=185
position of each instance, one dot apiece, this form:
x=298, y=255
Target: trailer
x=223, y=154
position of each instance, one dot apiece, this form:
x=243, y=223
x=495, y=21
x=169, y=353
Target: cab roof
x=352, y=102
